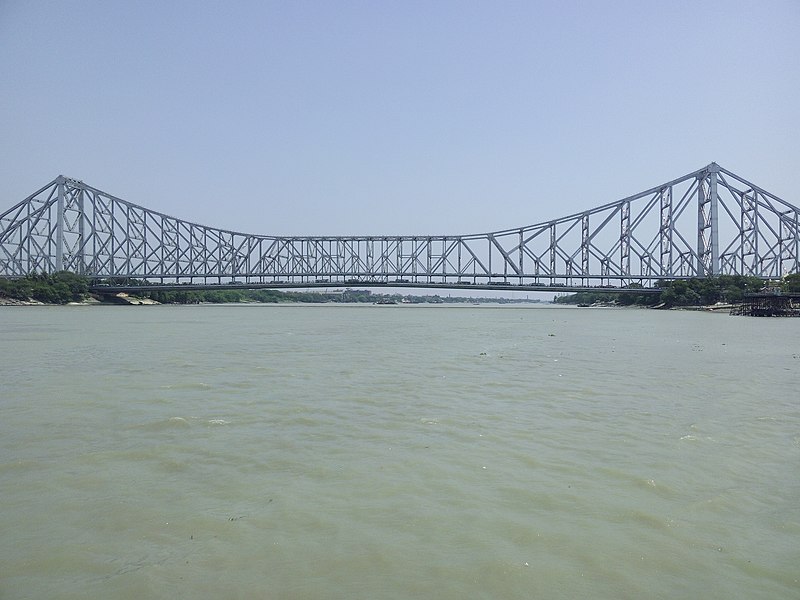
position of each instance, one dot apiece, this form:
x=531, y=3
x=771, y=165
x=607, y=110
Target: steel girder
x=739, y=229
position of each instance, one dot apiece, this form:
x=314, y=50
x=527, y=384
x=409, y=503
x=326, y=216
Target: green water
x=397, y=452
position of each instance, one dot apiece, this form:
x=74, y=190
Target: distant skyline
x=315, y=118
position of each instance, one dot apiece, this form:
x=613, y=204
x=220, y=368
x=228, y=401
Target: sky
x=389, y=118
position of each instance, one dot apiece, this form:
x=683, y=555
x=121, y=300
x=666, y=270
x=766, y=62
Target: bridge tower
x=708, y=222
x=70, y=223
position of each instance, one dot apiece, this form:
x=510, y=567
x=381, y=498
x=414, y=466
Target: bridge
x=706, y=223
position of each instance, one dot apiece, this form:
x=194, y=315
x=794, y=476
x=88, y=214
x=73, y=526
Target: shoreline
x=123, y=299
x=118, y=300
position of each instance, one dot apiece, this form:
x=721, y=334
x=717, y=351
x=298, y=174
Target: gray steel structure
x=709, y=222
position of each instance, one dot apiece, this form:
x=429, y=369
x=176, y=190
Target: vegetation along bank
x=727, y=289
x=65, y=287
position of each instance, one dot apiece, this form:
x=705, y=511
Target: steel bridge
x=709, y=222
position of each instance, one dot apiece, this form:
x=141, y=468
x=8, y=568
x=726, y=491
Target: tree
x=791, y=283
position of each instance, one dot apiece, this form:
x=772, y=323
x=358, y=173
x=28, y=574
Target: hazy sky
x=301, y=117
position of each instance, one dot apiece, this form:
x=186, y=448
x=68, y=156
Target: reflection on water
x=398, y=452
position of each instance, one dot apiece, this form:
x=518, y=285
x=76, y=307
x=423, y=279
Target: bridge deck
x=106, y=288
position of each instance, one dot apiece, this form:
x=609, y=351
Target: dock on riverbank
x=769, y=304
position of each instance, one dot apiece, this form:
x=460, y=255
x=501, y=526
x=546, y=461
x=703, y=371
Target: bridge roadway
x=187, y=287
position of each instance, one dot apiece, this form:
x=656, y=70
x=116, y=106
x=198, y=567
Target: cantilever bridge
x=709, y=222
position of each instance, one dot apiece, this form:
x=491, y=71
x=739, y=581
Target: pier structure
x=769, y=304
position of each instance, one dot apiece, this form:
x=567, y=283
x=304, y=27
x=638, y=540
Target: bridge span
x=706, y=223
x=114, y=288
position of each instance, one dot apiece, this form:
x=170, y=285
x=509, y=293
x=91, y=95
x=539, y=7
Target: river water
x=378, y=452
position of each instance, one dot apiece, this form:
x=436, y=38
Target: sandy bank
x=116, y=299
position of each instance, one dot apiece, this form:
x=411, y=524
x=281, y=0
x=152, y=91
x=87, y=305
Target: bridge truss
x=709, y=222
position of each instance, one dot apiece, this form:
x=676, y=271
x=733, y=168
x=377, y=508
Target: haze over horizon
x=394, y=118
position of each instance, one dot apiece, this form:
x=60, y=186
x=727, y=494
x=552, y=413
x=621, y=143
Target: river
x=382, y=452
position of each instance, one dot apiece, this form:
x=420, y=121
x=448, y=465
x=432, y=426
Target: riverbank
x=115, y=300
x=67, y=288
x=712, y=293
x=128, y=300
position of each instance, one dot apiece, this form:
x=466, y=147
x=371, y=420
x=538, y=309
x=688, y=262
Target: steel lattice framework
x=709, y=222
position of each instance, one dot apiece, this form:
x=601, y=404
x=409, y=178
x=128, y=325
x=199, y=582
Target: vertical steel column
x=60, y=224
x=665, y=231
x=489, y=262
x=129, y=243
x=707, y=227
x=370, y=258
x=714, y=170
x=788, y=242
x=428, y=267
x=385, y=259
x=585, y=244
x=399, y=259
x=460, y=270
x=748, y=233
x=625, y=238
x=81, y=234
x=701, y=225
x=444, y=257
x=796, y=225
x=114, y=241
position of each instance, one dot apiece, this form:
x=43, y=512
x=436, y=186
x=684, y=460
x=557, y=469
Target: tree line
x=63, y=287
x=50, y=288
x=729, y=289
